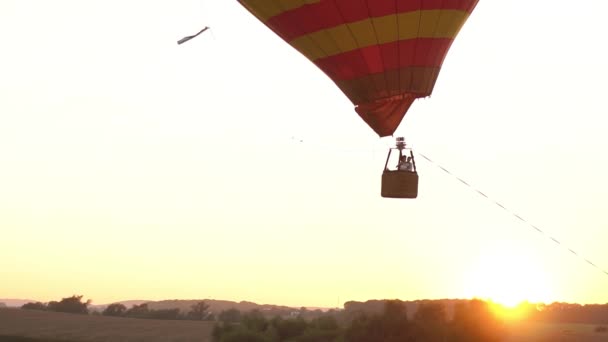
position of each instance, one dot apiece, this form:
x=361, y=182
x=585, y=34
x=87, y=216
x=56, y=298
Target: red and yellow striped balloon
x=383, y=54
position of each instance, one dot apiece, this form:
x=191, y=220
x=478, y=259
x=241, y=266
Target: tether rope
x=512, y=213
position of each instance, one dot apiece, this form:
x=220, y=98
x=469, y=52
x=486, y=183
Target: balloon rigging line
x=187, y=38
x=523, y=220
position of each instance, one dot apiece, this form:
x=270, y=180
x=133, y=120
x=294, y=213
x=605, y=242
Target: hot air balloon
x=382, y=54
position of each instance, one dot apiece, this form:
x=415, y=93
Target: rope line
x=513, y=213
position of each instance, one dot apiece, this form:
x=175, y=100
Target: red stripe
x=421, y=52
x=385, y=116
x=330, y=13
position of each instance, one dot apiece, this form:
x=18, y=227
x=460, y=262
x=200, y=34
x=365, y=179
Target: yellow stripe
x=380, y=30
x=264, y=9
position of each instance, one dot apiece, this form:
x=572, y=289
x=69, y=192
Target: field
x=80, y=328
x=554, y=332
x=60, y=327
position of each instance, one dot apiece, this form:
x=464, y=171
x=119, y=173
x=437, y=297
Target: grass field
x=53, y=326
x=27, y=339
x=554, y=332
x=39, y=326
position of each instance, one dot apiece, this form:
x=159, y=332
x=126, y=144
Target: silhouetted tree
x=431, y=322
x=391, y=326
x=72, y=304
x=34, y=306
x=244, y=335
x=314, y=335
x=395, y=323
x=254, y=320
x=115, y=309
x=199, y=311
x=474, y=321
x=326, y=322
x=290, y=328
x=321, y=329
x=163, y=314
x=138, y=311
x=431, y=312
x=364, y=328
x=572, y=313
x=230, y=316
x=271, y=333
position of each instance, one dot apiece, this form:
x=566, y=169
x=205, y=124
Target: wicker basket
x=399, y=184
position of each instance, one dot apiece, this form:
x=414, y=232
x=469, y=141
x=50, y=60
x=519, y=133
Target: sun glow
x=507, y=278
x=513, y=313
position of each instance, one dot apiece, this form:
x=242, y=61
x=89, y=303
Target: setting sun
x=507, y=277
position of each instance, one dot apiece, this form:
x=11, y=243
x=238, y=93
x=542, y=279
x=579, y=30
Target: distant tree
x=244, y=335
x=391, y=326
x=199, y=311
x=290, y=328
x=271, y=333
x=115, y=309
x=230, y=316
x=255, y=321
x=325, y=323
x=474, y=321
x=164, y=314
x=396, y=310
x=324, y=328
x=138, y=311
x=34, y=306
x=221, y=329
x=315, y=335
x=430, y=321
x=254, y=326
x=431, y=312
x=395, y=322
x=364, y=328
x=72, y=304
x=2, y=305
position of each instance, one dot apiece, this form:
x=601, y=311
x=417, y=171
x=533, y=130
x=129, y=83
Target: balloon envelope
x=382, y=54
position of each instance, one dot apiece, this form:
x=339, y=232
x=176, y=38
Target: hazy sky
x=134, y=168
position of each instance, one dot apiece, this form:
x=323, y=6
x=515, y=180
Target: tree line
x=473, y=321
x=566, y=313
x=75, y=305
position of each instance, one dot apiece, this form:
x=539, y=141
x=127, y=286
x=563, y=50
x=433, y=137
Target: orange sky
x=134, y=168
